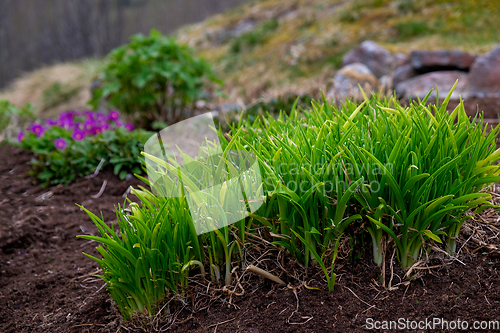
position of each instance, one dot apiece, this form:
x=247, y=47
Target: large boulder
x=420, y=86
x=484, y=75
x=347, y=79
x=428, y=61
x=378, y=59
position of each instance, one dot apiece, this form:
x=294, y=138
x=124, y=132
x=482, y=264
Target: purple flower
x=66, y=123
x=129, y=127
x=100, y=117
x=20, y=136
x=60, y=143
x=51, y=122
x=37, y=129
x=113, y=115
x=78, y=135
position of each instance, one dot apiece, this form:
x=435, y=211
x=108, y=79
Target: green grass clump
x=403, y=177
x=406, y=173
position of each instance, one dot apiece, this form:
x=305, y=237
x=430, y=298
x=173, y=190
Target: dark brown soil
x=46, y=284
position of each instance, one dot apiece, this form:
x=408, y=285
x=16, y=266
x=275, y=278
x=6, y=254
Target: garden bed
x=46, y=284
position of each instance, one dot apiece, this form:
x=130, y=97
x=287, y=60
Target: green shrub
x=153, y=78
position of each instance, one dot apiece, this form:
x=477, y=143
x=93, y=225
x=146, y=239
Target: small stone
x=348, y=78
x=377, y=58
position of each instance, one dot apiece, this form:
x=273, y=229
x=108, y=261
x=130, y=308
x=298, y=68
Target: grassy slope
x=296, y=46
x=303, y=51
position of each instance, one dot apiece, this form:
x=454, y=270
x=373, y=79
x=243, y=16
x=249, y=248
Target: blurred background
x=37, y=33
x=52, y=51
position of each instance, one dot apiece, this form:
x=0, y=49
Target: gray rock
x=385, y=81
x=427, y=61
x=484, y=75
x=345, y=82
x=401, y=59
x=378, y=59
x=403, y=73
x=420, y=86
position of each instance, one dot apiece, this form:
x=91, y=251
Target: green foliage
x=153, y=78
x=118, y=147
x=257, y=36
x=407, y=174
x=151, y=253
x=412, y=29
x=13, y=118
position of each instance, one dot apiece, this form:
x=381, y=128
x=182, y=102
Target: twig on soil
x=44, y=196
x=360, y=298
x=265, y=274
x=221, y=323
x=96, y=172
x=129, y=189
x=392, y=272
x=101, y=191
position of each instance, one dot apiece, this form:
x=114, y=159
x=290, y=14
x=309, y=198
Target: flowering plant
x=74, y=144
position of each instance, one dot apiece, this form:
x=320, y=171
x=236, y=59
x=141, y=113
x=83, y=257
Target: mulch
x=46, y=283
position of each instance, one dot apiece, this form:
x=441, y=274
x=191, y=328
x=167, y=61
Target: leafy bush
x=153, y=78
x=74, y=144
x=377, y=168
x=13, y=119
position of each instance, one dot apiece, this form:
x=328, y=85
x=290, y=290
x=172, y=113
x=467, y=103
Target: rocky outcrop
x=374, y=66
x=430, y=61
x=484, y=76
x=420, y=86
